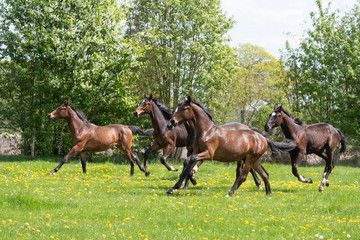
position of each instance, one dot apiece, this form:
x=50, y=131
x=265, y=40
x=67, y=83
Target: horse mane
x=296, y=120
x=163, y=109
x=204, y=109
x=80, y=114
x=201, y=106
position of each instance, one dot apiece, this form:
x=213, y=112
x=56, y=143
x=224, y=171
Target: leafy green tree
x=58, y=50
x=185, y=50
x=256, y=87
x=323, y=71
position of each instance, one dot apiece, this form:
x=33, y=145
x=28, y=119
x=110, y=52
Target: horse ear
x=151, y=96
x=67, y=103
x=276, y=106
x=145, y=95
x=188, y=100
x=281, y=107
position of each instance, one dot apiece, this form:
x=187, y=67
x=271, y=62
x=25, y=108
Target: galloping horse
x=87, y=137
x=169, y=138
x=320, y=139
x=222, y=143
x=163, y=138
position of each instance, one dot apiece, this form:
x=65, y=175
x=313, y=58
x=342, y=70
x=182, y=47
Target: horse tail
x=284, y=146
x=136, y=129
x=342, y=141
x=265, y=134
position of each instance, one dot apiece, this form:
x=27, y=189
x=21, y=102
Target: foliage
x=108, y=203
x=58, y=50
x=185, y=51
x=258, y=85
x=324, y=71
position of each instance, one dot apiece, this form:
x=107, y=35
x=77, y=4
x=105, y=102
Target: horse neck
x=158, y=120
x=201, y=121
x=74, y=122
x=288, y=127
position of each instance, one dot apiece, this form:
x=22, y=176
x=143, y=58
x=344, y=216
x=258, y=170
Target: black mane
x=164, y=110
x=201, y=106
x=296, y=120
x=80, y=114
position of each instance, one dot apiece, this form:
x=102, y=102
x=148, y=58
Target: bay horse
x=320, y=139
x=88, y=137
x=169, y=138
x=223, y=143
x=163, y=138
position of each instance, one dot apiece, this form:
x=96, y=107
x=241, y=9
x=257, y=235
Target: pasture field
x=106, y=203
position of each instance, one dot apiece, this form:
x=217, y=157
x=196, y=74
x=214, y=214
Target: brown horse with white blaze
x=88, y=137
x=320, y=139
x=221, y=143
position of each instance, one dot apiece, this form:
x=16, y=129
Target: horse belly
x=101, y=141
x=233, y=148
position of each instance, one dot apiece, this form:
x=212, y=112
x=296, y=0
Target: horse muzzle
x=50, y=117
x=171, y=124
x=136, y=114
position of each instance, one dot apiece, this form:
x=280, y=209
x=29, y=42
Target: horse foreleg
x=189, y=165
x=296, y=159
x=168, y=150
x=73, y=151
x=154, y=147
x=328, y=168
x=83, y=161
x=192, y=175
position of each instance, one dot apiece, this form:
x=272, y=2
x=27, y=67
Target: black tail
x=284, y=146
x=265, y=134
x=136, y=129
x=342, y=141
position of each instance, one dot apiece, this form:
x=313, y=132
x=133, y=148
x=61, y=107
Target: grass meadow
x=106, y=203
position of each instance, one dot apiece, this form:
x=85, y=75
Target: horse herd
x=192, y=126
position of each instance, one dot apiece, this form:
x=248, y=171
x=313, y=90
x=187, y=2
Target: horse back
x=232, y=144
x=320, y=135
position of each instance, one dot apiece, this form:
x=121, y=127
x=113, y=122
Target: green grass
x=108, y=203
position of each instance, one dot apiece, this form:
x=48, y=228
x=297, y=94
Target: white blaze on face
x=273, y=114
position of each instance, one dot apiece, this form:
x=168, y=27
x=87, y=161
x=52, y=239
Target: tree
x=257, y=85
x=185, y=50
x=323, y=71
x=58, y=50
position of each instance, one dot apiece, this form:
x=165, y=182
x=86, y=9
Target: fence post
x=33, y=145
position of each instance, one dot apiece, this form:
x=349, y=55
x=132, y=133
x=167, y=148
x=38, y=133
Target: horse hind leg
x=136, y=159
x=83, y=161
x=127, y=153
x=166, y=153
x=329, y=165
x=264, y=175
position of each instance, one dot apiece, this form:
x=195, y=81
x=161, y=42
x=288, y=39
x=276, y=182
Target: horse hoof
x=193, y=181
x=173, y=169
x=260, y=187
x=321, y=188
x=147, y=174
x=327, y=183
x=185, y=187
x=310, y=180
x=52, y=172
x=230, y=194
x=171, y=191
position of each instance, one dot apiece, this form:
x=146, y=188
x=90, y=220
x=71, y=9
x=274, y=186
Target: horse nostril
x=135, y=114
x=172, y=121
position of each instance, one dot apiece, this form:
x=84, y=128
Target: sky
x=270, y=23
